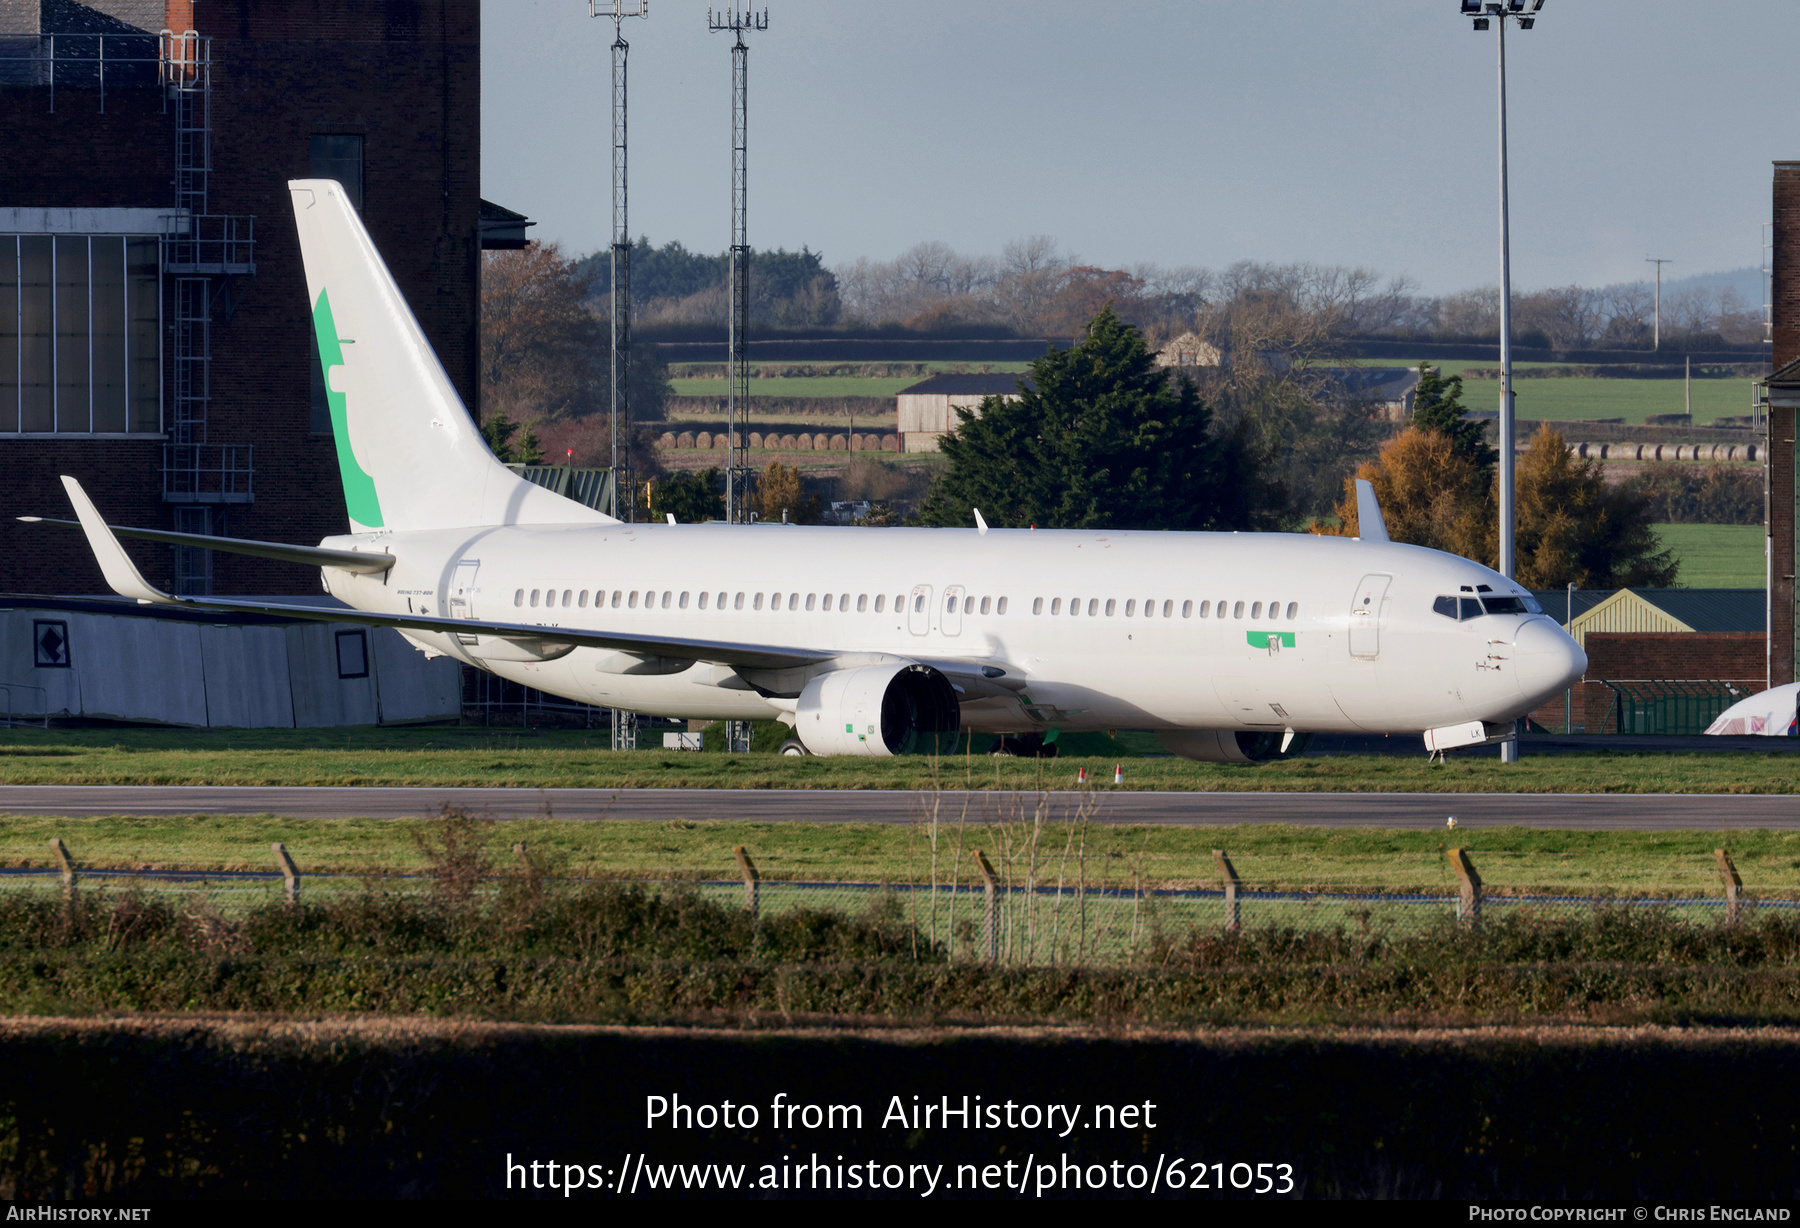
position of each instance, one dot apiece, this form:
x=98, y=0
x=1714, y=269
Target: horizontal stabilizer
x=308, y=556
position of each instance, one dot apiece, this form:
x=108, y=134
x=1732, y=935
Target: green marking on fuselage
x=1260, y=639
x=359, y=487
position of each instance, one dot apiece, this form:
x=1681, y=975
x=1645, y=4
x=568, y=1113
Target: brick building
x=155, y=336
x=1784, y=397
x=1657, y=657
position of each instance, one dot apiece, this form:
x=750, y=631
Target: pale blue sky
x=1203, y=132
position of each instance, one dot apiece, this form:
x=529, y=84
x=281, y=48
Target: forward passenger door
x=1365, y=616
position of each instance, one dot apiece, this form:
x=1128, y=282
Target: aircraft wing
x=547, y=642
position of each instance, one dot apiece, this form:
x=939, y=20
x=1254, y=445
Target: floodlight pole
x=737, y=360
x=624, y=478
x=1499, y=12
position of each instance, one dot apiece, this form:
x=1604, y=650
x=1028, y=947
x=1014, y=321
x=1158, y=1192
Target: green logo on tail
x=359, y=487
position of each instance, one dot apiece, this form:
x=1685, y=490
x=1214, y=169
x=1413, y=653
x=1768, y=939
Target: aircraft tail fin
x=409, y=453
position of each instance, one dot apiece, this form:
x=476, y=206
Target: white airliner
x=866, y=641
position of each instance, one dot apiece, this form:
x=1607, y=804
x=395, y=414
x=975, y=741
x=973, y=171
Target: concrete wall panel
x=411, y=687
x=247, y=677
x=321, y=698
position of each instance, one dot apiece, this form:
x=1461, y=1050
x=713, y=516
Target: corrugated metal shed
x=116, y=660
x=925, y=412
x=1663, y=610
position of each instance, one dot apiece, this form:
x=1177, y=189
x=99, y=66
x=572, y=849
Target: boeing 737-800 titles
x=865, y=641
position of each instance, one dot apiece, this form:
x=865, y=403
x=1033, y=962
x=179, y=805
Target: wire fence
x=1095, y=922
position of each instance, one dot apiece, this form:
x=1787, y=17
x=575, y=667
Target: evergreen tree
x=1100, y=438
x=499, y=429
x=694, y=497
x=1437, y=406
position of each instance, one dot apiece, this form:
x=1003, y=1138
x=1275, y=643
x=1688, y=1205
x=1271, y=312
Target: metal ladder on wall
x=202, y=253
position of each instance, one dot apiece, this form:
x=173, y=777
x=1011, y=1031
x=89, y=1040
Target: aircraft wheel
x=794, y=746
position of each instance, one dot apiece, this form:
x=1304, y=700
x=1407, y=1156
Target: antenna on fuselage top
x=1370, y=527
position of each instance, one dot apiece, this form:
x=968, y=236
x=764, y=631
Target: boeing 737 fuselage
x=867, y=641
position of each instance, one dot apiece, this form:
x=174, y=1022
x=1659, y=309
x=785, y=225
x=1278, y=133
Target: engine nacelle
x=1231, y=745
x=876, y=710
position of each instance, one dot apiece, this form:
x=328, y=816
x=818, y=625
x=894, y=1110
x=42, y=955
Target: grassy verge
x=455, y=755
x=1268, y=856
x=614, y=953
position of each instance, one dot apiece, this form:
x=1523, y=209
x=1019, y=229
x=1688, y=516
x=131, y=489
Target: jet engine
x=877, y=710
x=1231, y=745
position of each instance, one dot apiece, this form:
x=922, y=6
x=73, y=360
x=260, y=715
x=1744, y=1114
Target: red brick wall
x=404, y=75
x=1785, y=317
x=1734, y=657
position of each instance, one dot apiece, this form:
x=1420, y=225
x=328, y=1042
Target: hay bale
x=704, y=441
x=685, y=439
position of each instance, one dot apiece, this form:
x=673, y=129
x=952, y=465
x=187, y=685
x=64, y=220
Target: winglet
x=1370, y=526
x=119, y=570
x=980, y=524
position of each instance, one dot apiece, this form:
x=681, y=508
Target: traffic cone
x=1081, y=776
x=1118, y=773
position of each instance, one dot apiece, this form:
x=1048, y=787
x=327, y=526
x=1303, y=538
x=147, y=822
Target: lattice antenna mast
x=624, y=472
x=737, y=396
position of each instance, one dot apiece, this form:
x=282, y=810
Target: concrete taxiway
x=1593, y=811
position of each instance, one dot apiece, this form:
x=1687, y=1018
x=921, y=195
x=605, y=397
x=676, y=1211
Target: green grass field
x=472, y=755
x=1551, y=400
x=1717, y=555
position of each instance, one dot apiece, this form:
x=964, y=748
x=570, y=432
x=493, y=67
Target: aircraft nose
x=1545, y=660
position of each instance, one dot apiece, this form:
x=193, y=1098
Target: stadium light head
x=1537, y=6
x=1471, y=7
x=1515, y=6
x=1481, y=23
x=1525, y=23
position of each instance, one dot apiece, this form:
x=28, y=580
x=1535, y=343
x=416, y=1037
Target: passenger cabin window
x=1001, y=607
x=581, y=601
x=1037, y=605
x=1293, y=610
x=1237, y=610
x=880, y=600
x=984, y=605
x=1206, y=609
x=810, y=599
x=1256, y=610
x=757, y=604
x=1055, y=606
x=1110, y=604
x=683, y=604
x=793, y=601
x=862, y=603
x=519, y=597
x=534, y=598
x=1187, y=609
x=737, y=603
x=1131, y=607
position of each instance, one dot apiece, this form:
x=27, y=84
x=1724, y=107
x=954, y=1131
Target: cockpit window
x=1504, y=605
x=1531, y=603
x=1471, y=608
x=1445, y=606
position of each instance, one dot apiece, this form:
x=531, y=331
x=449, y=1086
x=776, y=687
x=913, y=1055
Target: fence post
x=1734, y=906
x=1468, y=903
x=290, y=874
x=68, y=867
x=1229, y=874
x=991, y=895
x=752, y=879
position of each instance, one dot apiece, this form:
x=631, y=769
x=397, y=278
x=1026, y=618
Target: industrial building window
x=340, y=157
x=80, y=322
x=353, y=654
